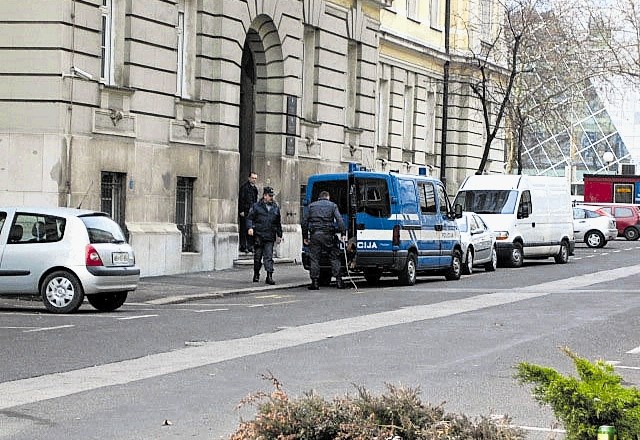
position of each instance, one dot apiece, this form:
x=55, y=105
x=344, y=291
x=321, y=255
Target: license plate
x=120, y=258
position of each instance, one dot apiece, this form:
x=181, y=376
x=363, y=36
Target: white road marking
x=624, y=367
x=16, y=328
x=208, y=310
x=44, y=329
x=634, y=351
x=533, y=428
x=51, y=386
x=128, y=318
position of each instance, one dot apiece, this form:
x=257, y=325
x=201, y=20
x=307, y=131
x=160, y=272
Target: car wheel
x=61, y=292
x=454, y=272
x=467, y=267
x=631, y=233
x=372, y=276
x=107, y=302
x=563, y=254
x=594, y=239
x=407, y=276
x=492, y=265
x=517, y=257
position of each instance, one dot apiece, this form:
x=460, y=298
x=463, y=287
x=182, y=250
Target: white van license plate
x=120, y=258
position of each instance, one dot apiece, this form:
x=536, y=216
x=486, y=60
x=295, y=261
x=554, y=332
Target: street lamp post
x=608, y=159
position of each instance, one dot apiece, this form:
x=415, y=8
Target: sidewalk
x=180, y=288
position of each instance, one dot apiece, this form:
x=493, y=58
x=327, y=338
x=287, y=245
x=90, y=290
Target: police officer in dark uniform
x=320, y=223
x=264, y=225
x=247, y=197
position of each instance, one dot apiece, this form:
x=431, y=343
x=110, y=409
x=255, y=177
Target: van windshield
x=488, y=201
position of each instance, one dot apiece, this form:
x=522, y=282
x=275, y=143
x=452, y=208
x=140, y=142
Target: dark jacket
x=265, y=222
x=322, y=215
x=247, y=197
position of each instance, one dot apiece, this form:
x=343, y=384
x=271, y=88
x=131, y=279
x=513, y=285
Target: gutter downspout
x=68, y=136
x=445, y=93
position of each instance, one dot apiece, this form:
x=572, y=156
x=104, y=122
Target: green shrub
x=397, y=414
x=596, y=397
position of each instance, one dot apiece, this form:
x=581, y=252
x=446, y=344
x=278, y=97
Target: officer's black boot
x=269, y=279
x=340, y=283
x=314, y=284
x=256, y=276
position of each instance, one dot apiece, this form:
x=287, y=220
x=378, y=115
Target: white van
x=531, y=215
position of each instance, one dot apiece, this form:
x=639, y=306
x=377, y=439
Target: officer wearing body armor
x=320, y=223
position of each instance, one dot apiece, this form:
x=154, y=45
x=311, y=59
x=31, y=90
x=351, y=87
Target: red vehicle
x=627, y=218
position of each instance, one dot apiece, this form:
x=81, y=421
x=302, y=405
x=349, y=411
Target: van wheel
x=107, y=302
x=467, y=267
x=516, y=258
x=61, y=292
x=407, y=276
x=372, y=276
x=563, y=254
x=594, y=239
x=492, y=265
x=631, y=233
x=454, y=272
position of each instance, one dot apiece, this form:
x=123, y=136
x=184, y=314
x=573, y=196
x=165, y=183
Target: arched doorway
x=246, y=136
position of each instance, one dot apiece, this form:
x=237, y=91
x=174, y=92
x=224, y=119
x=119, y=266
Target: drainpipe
x=68, y=137
x=445, y=93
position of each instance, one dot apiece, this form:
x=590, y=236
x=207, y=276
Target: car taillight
x=92, y=258
x=395, y=239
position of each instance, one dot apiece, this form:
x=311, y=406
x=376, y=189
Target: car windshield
x=488, y=201
x=102, y=229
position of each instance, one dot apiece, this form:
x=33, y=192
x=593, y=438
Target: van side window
x=525, y=200
x=445, y=208
x=373, y=197
x=408, y=199
x=427, y=198
x=3, y=217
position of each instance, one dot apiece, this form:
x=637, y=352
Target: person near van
x=320, y=223
x=265, y=227
x=247, y=197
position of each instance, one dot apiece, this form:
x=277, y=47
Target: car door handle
x=533, y=225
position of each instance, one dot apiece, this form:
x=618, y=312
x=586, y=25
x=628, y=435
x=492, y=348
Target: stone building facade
x=156, y=110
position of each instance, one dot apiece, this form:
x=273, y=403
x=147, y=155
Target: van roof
x=510, y=181
x=368, y=174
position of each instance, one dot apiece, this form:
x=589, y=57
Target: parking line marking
x=16, y=328
x=533, y=428
x=625, y=367
x=634, y=351
x=137, y=317
x=209, y=310
x=44, y=329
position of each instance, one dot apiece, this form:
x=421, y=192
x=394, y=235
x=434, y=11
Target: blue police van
x=397, y=224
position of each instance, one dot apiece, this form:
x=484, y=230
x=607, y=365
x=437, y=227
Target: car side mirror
x=457, y=210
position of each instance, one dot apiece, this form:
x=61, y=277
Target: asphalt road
x=122, y=375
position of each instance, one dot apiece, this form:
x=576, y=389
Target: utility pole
x=445, y=94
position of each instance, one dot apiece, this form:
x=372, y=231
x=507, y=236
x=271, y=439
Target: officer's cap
x=268, y=190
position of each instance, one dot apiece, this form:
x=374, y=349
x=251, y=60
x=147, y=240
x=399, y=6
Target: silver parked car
x=593, y=226
x=63, y=254
x=478, y=243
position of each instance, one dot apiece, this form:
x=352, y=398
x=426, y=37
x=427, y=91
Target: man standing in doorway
x=264, y=225
x=248, y=196
x=320, y=223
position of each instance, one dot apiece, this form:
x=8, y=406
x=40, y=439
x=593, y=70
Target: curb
x=181, y=299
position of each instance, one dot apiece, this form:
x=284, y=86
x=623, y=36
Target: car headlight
x=502, y=235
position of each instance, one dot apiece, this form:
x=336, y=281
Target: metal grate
x=184, y=211
x=112, y=197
